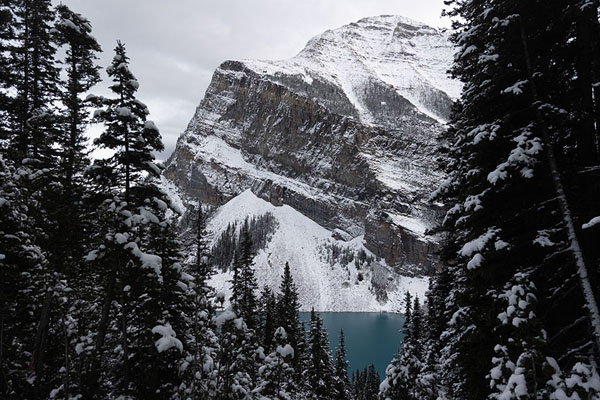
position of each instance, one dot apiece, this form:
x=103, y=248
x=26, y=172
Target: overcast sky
x=176, y=45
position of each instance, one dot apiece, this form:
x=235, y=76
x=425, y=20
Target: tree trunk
x=96, y=364
x=586, y=44
x=67, y=366
x=582, y=271
x=124, y=340
x=41, y=339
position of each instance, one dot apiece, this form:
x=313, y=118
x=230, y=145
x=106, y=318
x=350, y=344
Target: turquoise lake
x=371, y=338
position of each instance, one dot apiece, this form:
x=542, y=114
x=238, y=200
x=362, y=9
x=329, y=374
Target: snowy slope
x=411, y=57
x=297, y=241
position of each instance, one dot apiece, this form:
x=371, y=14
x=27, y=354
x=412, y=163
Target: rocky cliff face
x=344, y=133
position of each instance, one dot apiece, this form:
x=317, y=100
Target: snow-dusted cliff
x=342, y=135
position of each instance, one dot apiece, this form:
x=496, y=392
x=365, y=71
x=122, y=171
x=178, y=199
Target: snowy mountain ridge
x=411, y=57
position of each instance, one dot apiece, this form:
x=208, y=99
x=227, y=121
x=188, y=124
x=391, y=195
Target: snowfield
x=297, y=241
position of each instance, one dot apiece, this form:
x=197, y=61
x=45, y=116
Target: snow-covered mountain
x=337, y=144
x=382, y=53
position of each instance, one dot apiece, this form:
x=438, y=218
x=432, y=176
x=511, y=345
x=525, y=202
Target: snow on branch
x=148, y=260
x=168, y=339
x=591, y=222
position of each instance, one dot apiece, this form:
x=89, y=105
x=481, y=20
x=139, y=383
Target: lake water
x=371, y=338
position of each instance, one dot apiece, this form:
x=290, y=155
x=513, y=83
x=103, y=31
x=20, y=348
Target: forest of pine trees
x=99, y=298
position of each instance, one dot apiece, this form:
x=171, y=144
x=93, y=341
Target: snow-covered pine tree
x=303, y=355
x=288, y=307
x=269, y=317
x=276, y=374
x=427, y=385
x=365, y=384
x=372, y=381
x=20, y=259
x=35, y=79
x=7, y=35
x=69, y=216
x=133, y=225
x=237, y=357
x=407, y=309
x=402, y=373
x=73, y=33
x=200, y=365
x=319, y=373
x=31, y=139
x=164, y=311
x=341, y=369
x=244, y=286
x=511, y=144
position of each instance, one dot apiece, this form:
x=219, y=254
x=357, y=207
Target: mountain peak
x=399, y=54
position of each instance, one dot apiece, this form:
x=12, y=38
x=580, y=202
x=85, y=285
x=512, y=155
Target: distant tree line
x=229, y=242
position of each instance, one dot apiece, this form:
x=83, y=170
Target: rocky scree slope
x=344, y=133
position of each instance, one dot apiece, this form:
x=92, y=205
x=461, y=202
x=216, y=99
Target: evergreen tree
x=200, y=365
x=73, y=32
x=341, y=369
x=288, y=307
x=320, y=372
x=244, y=285
x=136, y=249
x=237, y=357
x=401, y=381
x=7, y=35
x=269, y=317
x=427, y=385
x=366, y=384
x=407, y=308
x=517, y=135
x=31, y=132
x=276, y=375
x=372, y=380
x=20, y=259
x=35, y=78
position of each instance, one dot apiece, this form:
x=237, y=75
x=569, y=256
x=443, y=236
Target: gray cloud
x=176, y=45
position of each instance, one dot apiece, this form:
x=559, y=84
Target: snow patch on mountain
x=300, y=241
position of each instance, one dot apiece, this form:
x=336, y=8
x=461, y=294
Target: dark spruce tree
x=136, y=253
x=269, y=317
x=70, y=220
x=36, y=81
x=288, y=307
x=73, y=33
x=319, y=373
x=20, y=259
x=244, y=286
x=31, y=132
x=200, y=365
x=401, y=381
x=238, y=357
x=341, y=369
x=7, y=36
x=276, y=374
x=521, y=316
x=365, y=384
